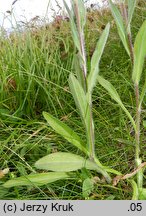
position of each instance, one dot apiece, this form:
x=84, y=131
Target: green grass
x=34, y=68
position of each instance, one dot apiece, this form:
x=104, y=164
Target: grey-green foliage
x=131, y=8
x=139, y=53
x=81, y=87
x=120, y=25
x=92, y=77
x=37, y=179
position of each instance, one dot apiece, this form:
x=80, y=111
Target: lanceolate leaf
x=73, y=26
x=61, y=161
x=120, y=25
x=65, y=131
x=96, y=58
x=80, y=9
x=78, y=70
x=36, y=179
x=143, y=93
x=139, y=53
x=135, y=190
x=131, y=7
x=79, y=95
x=82, y=104
x=66, y=162
x=142, y=194
x=114, y=94
x=87, y=188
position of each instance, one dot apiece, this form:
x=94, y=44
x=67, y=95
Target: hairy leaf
x=37, y=179
x=96, y=58
x=143, y=93
x=120, y=25
x=75, y=34
x=87, y=188
x=114, y=94
x=131, y=7
x=61, y=161
x=79, y=96
x=80, y=10
x=139, y=53
x=66, y=162
x=135, y=190
x=65, y=131
x=142, y=194
x=144, y=124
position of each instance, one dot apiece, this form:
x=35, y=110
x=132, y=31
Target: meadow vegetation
x=34, y=69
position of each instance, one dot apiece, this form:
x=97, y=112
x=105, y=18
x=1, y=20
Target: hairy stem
x=138, y=112
x=92, y=137
x=137, y=137
x=82, y=44
x=138, y=104
x=125, y=17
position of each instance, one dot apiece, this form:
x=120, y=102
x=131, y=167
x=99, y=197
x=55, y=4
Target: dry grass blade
x=129, y=175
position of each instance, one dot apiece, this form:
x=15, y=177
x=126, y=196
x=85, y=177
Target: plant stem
x=131, y=46
x=138, y=112
x=138, y=103
x=89, y=128
x=92, y=136
x=125, y=17
x=137, y=137
x=82, y=44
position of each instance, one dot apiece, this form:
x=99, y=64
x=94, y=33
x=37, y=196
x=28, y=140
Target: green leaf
x=135, y=190
x=66, y=162
x=120, y=25
x=131, y=7
x=143, y=93
x=79, y=96
x=139, y=53
x=87, y=188
x=114, y=94
x=65, y=131
x=79, y=5
x=144, y=124
x=142, y=194
x=82, y=104
x=75, y=34
x=78, y=70
x=96, y=58
x=111, y=197
x=61, y=161
x=37, y=179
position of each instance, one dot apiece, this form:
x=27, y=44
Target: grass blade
x=96, y=58
x=36, y=179
x=120, y=25
x=65, y=131
x=139, y=53
x=114, y=94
